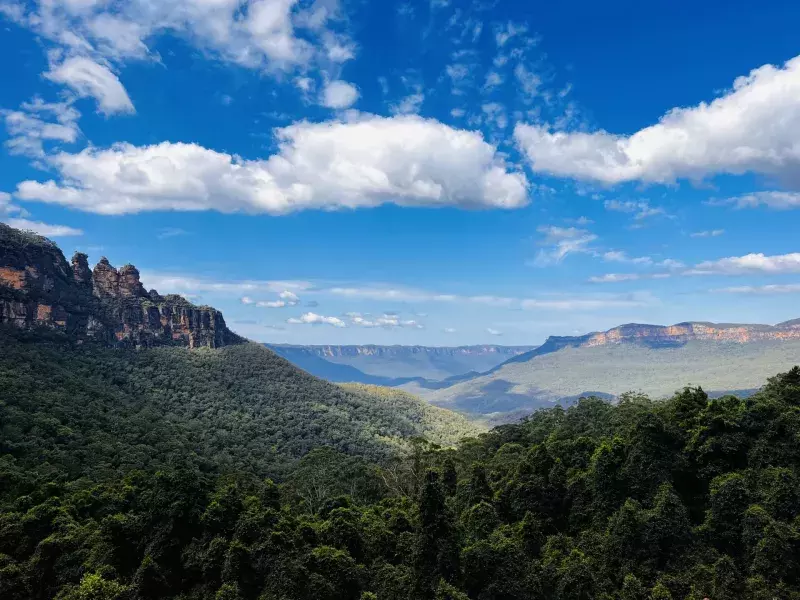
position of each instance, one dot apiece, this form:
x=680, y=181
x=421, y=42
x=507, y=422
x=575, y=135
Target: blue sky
x=435, y=172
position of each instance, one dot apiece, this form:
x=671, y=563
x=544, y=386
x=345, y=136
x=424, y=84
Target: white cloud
x=449, y=330
x=564, y=241
x=573, y=304
x=529, y=83
x=790, y=288
x=260, y=34
x=496, y=114
x=601, y=301
x=622, y=257
x=457, y=73
x=387, y=321
x=370, y=161
x=749, y=264
x=409, y=105
x=17, y=217
x=395, y=294
x=286, y=298
x=491, y=331
x=339, y=94
x=311, y=318
x=493, y=80
x=774, y=200
x=503, y=33
x=617, y=277
x=178, y=284
x=289, y=297
x=271, y=304
x=91, y=79
x=754, y=127
x=708, y=233
x=170, y=232
x=45, y=229
x=38, y=122
x=671, y=264
x=640, y=209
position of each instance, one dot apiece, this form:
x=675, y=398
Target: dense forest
x=104, y=497
x=89, y=410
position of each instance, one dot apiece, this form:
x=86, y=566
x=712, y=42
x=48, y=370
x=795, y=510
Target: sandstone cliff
x=39, y=288
x=665, y=336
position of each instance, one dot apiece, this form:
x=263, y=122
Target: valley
x=647, y=359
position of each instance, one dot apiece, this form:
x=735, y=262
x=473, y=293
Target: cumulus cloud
x=88, y=78
x=370, y=161
x=491, y=331
x=753, y=127
x=770, y=199
x=339, y=94
x=311, y=318
x=562, y=241
x=449, y=330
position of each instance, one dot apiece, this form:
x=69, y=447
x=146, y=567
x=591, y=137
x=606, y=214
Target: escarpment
x=40, y=289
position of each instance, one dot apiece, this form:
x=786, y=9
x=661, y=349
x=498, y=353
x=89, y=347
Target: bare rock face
x=38, y=288
x=80, y=270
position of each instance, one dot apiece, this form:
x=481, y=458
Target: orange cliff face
x=685, y=332
x=38, y=288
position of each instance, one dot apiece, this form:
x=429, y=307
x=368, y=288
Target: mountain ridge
x=665, y=336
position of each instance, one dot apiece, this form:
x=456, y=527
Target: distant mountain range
x=504, y=383
x=397, y=365
x=723, y=357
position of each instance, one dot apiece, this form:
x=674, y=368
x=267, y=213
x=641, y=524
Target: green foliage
x=69, y=411
x=137, y=476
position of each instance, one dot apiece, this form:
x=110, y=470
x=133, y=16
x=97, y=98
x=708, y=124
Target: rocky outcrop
x=38, y=288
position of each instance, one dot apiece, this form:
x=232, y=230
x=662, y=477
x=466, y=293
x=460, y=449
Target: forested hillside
x=68, y=410
x=685, y=498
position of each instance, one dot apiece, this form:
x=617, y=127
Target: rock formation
x=38, y=288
